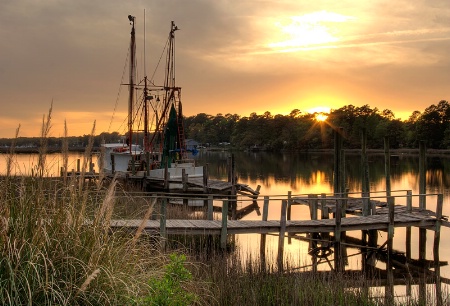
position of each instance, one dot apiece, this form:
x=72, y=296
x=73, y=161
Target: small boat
x=160, y=143
x=255, y=148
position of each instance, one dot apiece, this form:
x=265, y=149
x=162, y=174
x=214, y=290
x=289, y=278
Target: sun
x=321, y=117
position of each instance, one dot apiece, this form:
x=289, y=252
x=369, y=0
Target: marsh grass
x=238, y=280
x=55, y=244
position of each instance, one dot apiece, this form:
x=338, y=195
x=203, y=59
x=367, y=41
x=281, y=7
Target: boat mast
x=131, y=83
x=146, y=99
x=173, y=93
x=170, y=68
x=169, y=87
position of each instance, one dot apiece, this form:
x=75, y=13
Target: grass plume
x=51, y=255
x=43, y=143
x=10, y=157
x=65, y=151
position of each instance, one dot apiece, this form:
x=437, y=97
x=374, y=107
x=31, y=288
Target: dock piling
x=262, y=245
x=163, y=222
x=281, y=237
x=223, y=233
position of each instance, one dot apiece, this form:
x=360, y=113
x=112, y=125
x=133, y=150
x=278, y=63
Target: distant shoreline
x=81, y=149
x=32, y=150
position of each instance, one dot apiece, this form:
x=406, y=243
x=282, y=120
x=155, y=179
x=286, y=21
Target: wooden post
x=369, y=237
x=262, y=246
x=205, y=178
x=210, y=207
x=325, y=236
x=389, y=293
x=205, y=185
x=281, y=237
x=184, y=179
x=209, y=216
x=337, y=239
x=162, y=223
x=255, y=200
x=437, y=238
x=408, y=229
x=233, y=189
x=166, y=176
x=365, y=193
x=223, y=233
x=113, y=164
x=289, y=208
x=337, y=160
x=422, y=205
x=289, y=211
x=133, y=165
x=78, y=165
x=324, y=207
x=408, y=241
x=313, y=203
x=422, y=175
x=229, y=169
x=343, y=189
x=387, y=166
x=147, y=163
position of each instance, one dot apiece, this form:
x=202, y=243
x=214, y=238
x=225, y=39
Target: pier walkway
x=211, y=227
x=326, y=232
x=346, y=213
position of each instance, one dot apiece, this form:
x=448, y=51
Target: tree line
x=298, y=130
x=301, y=131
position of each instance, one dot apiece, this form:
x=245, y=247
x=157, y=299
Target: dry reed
x=141, y=227
x=65, y=152
x=50, y=254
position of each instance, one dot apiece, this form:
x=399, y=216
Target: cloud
x=73, y=52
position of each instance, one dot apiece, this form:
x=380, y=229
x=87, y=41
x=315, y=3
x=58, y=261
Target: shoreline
x=81, y=149
x=50, y=150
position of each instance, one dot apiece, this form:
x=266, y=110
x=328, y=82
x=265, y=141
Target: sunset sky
x=231, y=56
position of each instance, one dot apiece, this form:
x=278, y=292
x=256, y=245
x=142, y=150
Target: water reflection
x=307, y=173
x=25, y=164
x=279, y=173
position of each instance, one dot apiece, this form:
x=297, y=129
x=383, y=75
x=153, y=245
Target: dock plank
x=379, y=222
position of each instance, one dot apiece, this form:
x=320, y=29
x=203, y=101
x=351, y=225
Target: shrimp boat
x=155, y=146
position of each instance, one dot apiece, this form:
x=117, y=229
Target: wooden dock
x=386, y=215
x=214, y=227
x=326, y=232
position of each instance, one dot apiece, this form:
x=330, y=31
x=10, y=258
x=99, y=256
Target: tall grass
x=56, y=247
x=239, y=281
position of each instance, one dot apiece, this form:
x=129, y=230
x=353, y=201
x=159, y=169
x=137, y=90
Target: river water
x=302, y=174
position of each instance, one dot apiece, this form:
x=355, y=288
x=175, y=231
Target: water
x=25, y=164
x=278, y=173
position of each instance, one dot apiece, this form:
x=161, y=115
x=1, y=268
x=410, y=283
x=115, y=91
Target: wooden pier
x=215, y=227
x=325, y=229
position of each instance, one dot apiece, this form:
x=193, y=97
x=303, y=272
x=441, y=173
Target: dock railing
x=326, y=203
